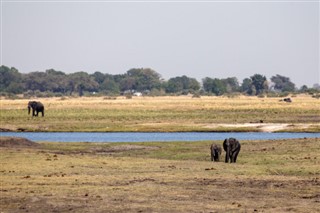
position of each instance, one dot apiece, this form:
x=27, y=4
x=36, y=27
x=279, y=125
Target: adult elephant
x=36, y=107
x=232, y=147
x=215, y=152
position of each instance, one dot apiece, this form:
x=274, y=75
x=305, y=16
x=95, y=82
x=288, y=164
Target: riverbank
x=270, y=176
x=165, y=114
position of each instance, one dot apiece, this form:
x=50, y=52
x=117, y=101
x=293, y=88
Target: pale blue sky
x=206, y=39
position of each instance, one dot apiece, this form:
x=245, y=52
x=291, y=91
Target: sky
x=216, y=39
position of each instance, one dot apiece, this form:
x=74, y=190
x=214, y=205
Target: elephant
x=215, y=152
x=232, y=147
x=36, y=108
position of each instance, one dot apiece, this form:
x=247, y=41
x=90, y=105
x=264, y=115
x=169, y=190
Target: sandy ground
x=265, y=127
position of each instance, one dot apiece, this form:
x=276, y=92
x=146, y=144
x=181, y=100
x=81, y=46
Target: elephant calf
x=36, y=108
x=215, y=152
x=232, y=147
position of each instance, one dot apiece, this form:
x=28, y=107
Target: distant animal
x=232, y=147
x=36, y=107
x=215, y=151
x=286, y=100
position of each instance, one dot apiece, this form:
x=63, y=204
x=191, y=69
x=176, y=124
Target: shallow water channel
x=153, y=136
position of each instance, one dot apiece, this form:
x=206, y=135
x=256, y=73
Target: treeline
x=140, y=81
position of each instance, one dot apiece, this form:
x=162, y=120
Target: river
x=153, y=136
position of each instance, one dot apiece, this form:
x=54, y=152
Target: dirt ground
x=83, y=177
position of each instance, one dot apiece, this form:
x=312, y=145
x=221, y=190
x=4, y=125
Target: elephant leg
x=42, y=113
x=33, y=112
x=227, y=157
x=234, y=156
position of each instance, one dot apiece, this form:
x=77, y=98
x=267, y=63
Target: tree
x=98, y=77
x=10, y=80
x=36, y=81
x=80, y=82
x=282, y=83
x=304, y=89
x=246, y=85
x=182, y=84
x=174, y=85
x=144, y=79
x=260, y=83
x=110, y=87
x=56, y=81
x=128, y=83
x=216, y=86
x=231, y=84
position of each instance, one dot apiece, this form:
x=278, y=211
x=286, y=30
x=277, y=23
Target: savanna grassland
x=270, y=176
x=164, y=114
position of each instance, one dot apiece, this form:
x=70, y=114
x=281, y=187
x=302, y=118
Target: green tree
x=110, y=87
x=128, y=83
x=260, y=84
x=282, y=83
x=144, y=79
x=10, y=80
x=56, y=81
x=81, y=82
x=304, y=89
x=231, y=84
x=182, y=84
x=246, y=86
x=98, y=77
x=36, y=81
x=216, y=86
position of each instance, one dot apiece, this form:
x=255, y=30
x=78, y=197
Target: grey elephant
x=215, y=151
x=36, y=107
x=232, y=147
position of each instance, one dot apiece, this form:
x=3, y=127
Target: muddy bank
x=17, y=142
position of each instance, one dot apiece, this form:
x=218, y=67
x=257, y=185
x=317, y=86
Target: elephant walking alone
x=215, y=152
x=36, y=108
x=232, y=147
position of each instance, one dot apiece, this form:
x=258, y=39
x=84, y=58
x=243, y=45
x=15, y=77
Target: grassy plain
x=167, y=114
x=270, y=176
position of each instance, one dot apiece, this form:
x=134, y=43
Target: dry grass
x=270, y=176
x=163, y=114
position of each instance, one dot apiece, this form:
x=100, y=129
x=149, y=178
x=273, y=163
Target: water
x=152, y=136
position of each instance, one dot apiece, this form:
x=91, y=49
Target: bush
x=316, y=95
x=196, y=95
x=128, y=96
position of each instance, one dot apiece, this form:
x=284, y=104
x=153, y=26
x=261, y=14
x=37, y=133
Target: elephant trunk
x=29, y=110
